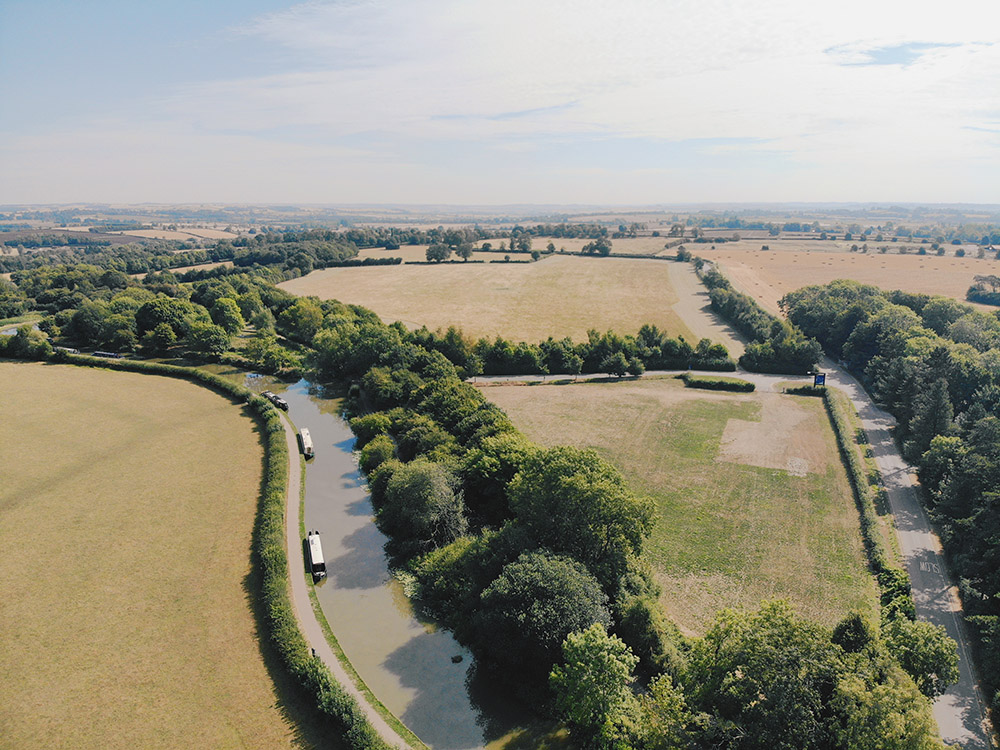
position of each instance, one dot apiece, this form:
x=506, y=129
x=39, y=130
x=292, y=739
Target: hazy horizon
x=436, y=102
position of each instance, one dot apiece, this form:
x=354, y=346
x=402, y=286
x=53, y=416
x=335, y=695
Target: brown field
x=769, y=275
x=126, y=510
x=181, y=234
x=558, y=296
x=635, y=245
x=752, y=500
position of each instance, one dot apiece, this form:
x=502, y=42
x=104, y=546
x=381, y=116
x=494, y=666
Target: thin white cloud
x=762, y=78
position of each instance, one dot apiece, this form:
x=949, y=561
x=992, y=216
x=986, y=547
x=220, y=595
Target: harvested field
x=769, y=275
x=181, y=234
x=558, y=296
x=410, y=253
x=753, y=502
x=635, y=245
x=126, y=592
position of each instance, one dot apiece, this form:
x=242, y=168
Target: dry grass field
x=769, y=275
x=196, y=233
x=126, y=510
x=411, y=253
x=558, y=296
x=752, y=500
x=634, y=245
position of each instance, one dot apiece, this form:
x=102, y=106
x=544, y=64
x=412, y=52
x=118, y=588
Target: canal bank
x=417, y=671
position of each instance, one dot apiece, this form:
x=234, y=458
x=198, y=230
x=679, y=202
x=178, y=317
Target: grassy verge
x=334, y=644
x=893, y=581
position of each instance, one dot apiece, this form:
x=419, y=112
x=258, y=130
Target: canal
x=419, y=672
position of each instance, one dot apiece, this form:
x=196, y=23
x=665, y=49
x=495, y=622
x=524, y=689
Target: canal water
x=411, y=666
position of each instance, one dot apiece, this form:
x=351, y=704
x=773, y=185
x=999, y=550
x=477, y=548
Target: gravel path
x=301, y=605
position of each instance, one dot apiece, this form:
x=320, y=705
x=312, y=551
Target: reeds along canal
x=409, y=665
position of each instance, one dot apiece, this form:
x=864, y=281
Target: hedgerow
x=718, y=384
x=338, y=706
x=896, y=599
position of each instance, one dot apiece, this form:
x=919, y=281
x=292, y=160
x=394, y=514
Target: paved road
x=301, y=605
x=960, y=711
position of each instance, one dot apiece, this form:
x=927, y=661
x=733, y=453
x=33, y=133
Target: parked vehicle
x=275, y=399
x=317, y=565
x=306, y=443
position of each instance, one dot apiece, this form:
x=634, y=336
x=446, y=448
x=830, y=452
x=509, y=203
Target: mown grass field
x=752, y=500
x=127, y=601
x=558, y=296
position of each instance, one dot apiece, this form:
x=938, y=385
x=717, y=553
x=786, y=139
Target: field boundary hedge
x=718, y=384
x=332, y=700
x=894, y=583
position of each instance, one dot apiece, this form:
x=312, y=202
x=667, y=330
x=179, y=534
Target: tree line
x=935, y=365
x=775, y=345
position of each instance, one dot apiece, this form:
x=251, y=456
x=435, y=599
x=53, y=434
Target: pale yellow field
x=558, y=296
x=769, y=275
x=181, y=234
x=752, y=500
x=126, y=509
x=635, y=245
x=416, y=252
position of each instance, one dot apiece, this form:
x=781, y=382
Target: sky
x=635, y=102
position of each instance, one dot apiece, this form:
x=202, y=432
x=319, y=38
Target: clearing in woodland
x=127, y=601
x=752, y=500
x=558, y=296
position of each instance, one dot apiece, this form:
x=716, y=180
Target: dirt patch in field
x=784, y=438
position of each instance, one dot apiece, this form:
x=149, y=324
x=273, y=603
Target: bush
x=807, y=390
x=718, y=384
x=379, y=450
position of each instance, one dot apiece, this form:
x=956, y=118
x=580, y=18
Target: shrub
x=375, y=453
x=718, y=384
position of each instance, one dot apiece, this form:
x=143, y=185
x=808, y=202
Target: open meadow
x=768, y=275
x=752, y=500
x=126, y=591
x=557, y=296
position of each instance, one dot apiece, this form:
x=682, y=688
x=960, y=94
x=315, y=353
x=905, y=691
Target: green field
x=752, y=500
x=557, y=296
x=127, y=598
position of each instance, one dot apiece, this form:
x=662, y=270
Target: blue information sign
x=819, y=378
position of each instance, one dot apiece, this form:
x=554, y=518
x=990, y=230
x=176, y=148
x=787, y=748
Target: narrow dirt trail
x=301, y=605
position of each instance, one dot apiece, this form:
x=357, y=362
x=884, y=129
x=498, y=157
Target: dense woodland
x=935, y=364
x=532, y=556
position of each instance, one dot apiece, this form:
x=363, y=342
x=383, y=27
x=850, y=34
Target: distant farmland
x=770, y=274
x=752, y=500
x=558, y=296
x=126, y=511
